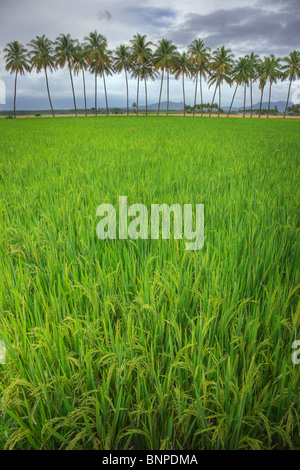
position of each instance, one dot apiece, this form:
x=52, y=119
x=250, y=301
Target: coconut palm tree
x=81, y=65
x=65, y=54
x=269, y=70
x=140, y=53
x=221, y=69
x=290, y=71
x=165, y=60
x=262, y=84
x=254, y=62
x=103, y=67
x=106, y=70
x=184, y=69
x=17, y=61
x=274, y=75
x=121, y=61
x=42, y=58
x=147, y=72
x=200, y=57
x=241, y=74
x=95, y=46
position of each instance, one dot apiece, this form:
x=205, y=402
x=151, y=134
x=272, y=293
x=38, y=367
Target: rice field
x=140, y=344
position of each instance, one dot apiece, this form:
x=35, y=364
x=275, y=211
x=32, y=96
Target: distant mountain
x=280, y=106
x=173, y=106
x=163, y=106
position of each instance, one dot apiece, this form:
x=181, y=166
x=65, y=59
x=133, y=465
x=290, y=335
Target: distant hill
x=280, y=106
x=163, y=106
x=173, y=106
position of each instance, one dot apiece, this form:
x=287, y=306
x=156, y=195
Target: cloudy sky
x=265, y=26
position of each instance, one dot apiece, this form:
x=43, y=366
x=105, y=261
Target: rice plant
x=123, y=344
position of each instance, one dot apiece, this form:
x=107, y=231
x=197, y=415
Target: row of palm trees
x=143, y=60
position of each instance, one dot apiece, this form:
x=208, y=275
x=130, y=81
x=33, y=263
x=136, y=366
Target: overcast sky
x=263, y=26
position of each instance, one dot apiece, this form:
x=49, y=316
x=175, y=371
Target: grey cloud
x=242, y=29
x=286, y=5
x=104, y=15
x=151, y=15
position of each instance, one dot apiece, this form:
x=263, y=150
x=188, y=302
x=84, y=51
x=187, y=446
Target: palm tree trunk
x=261, y=97
x=104, y=83
x=251, y=97
x=195, y=94
x=49, y=92
x=73, y=90
x=127, y=92
x=244, y=100
x=96, y=110
x=287, y=101
x=183, y=94
x=84, y=92
x=201, y=94
x=161, y=85
x=233, y=99
x=213, y=100
x=146, y=97
x=219, y=101
x=137, y=95
x=269, y=101
x=168, y=91
x=16, y=78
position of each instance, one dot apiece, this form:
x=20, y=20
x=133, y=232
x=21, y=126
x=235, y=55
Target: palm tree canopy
x=80, y=58
x=199, y=55
x=241, y=72
x=65, y=50
x=221, y=67
x=165, y=56
x=183, y=65
x=254, y=62
x=262, y=82
x=269, y=69
x=145, y=71
x=42, y=54
x=102, y=64
x=95, y=45
x=140, y=49
x=16, y=57
x=121, y=58
x=291, y=66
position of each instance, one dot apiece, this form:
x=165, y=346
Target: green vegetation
x=143, y=63
x=123, y=344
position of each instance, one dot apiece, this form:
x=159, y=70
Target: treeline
x=206, y=107
x=143, y=60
